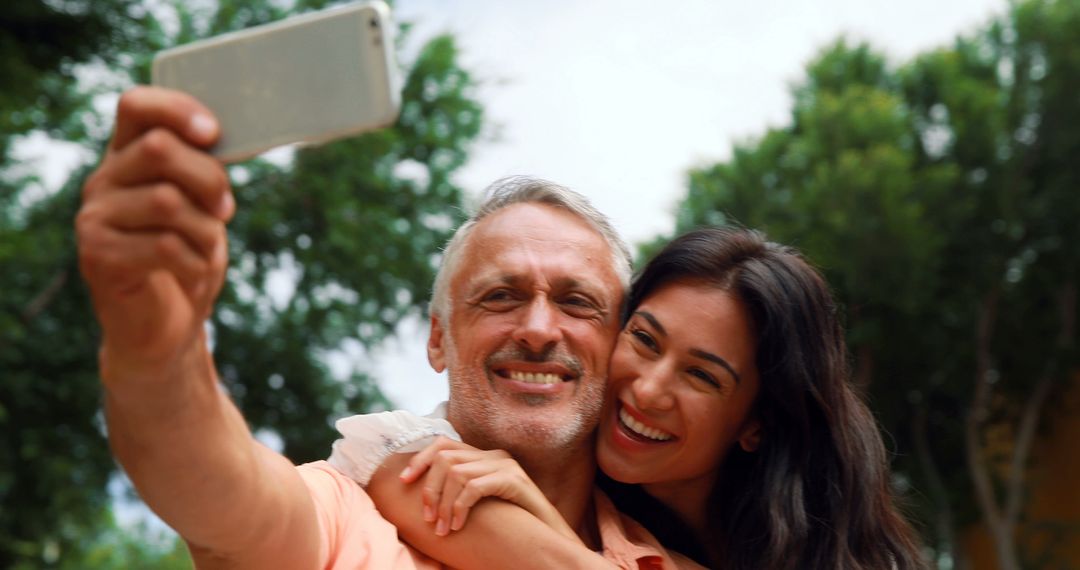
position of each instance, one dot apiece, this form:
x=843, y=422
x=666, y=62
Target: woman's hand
x=459, y=475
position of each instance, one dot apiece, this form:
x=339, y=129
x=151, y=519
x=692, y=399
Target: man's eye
x=579, y=301
x=579, y=306
x=499, y=297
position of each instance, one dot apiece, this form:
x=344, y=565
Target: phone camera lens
x=374, y=23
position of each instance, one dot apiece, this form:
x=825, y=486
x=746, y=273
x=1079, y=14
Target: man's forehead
x=527, y=218
x=562, y=268
x=526, y=243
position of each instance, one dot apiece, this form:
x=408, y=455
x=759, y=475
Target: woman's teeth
x=535, y=378
x=642, y=429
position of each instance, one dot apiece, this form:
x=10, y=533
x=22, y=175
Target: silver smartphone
x=310, y=78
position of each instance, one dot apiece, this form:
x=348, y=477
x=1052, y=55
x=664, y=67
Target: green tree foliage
x=335, y=245
x=939, y=199
x=43, y=44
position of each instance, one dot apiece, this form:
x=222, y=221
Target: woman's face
x=681, y=387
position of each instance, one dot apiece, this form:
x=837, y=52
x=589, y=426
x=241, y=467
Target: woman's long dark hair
x=816, y=492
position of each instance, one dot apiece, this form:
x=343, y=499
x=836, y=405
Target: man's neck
x=566, y=478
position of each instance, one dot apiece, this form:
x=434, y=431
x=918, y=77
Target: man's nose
x=539, y=327
x=652, y=387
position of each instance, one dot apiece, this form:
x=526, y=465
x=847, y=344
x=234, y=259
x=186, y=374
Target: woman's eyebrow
x=652, y=321
x=693, y=351
x=714, y=358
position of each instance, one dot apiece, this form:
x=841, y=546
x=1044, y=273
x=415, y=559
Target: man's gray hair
x=520, y=190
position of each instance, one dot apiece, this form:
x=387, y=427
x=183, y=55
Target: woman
x=731, y=430
x=802, y=477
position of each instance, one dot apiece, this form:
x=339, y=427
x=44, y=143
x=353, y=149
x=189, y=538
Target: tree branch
x=984, y=490
x=45, y=297
x=1029, y=421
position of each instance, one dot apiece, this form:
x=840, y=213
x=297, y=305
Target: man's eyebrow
x=521, y=281
x=490, y=280
x=714, y=358
x=563, y=283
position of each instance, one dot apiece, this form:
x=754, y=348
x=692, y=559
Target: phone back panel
x=309, y=78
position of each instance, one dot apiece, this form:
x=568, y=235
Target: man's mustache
x=556, y=354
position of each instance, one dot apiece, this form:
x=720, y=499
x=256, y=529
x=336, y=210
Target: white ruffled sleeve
x=368, y=439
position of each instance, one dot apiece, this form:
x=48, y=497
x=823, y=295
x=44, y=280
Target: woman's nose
x=652, y=388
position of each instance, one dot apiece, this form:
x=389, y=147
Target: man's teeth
x=535, y=378
x=642, y=429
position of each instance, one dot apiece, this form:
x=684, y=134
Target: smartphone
x=310, y=78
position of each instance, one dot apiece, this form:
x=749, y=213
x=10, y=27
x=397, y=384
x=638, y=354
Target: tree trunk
x=1002, y=522
x=943, y=520
x=1000, y=527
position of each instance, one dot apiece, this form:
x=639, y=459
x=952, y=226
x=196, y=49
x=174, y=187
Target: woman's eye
x=704, y=376
x=644, y=338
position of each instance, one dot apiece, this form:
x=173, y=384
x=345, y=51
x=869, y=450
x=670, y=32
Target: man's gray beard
x=516, y=430
x=494, y=427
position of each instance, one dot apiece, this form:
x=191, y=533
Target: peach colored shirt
x=355, y=536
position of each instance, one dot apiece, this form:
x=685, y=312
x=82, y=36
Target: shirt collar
x=628, y=544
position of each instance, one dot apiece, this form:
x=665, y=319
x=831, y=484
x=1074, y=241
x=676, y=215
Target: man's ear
x=436, y=356
x=750, y=437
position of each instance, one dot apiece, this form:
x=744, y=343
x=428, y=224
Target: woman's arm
x=456, y=476
x=499, y=534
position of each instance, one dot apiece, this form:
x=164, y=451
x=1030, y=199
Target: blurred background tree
x=335, y=244
x=939, y=198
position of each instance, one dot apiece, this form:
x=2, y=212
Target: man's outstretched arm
x=152, y=248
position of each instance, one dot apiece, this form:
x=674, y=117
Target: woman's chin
x=620, y=464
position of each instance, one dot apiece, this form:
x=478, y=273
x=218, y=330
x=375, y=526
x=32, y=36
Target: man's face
x=534, y=306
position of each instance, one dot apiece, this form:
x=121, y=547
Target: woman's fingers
x=457, y=478
x=434, y=482
x=442, y=483
x=418, y=464
x=483, y=474
x=463, y=468
x=421, y=461
x=476, y=489
x=448, y=467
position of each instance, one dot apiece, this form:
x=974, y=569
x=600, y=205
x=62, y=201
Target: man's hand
x=152, y=248
x=151, y=232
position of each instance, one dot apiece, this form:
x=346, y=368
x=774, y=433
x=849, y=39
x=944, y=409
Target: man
x=525, y=311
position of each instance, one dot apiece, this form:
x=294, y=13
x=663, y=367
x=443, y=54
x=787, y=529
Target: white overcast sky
x=618, y=98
